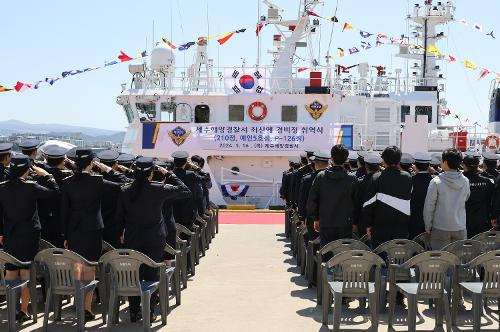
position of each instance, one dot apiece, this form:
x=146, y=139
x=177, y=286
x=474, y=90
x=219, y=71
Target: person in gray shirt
x=444, y=207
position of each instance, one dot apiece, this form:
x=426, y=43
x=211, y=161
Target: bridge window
x=202, y=114
x=147, y=112
x=128, y=113
x=289, y=113
x=405, y=110
x=236, y=113
x=167, y=112
x=424, y=110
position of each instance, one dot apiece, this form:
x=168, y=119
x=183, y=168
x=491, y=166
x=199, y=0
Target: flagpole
x=258, y=34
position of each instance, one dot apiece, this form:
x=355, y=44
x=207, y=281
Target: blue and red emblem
x=247, y=82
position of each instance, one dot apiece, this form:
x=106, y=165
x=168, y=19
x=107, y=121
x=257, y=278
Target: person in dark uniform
x=372, y=164
x=353, y=161
x=111, y=232
x=288, y=190
x=82, y=196
x=407, y=162
x=361, y=171
x=306, y=168
x=420, y=181
x=5, y=157
x=144, y=228
x=284, y=180
x=435, y=167
x=490, y=164
x=20, y=225
x=50, y=208
x=29, y=148
x=333, y=198
x=387, y=209
x=478, y=207
x=127, y=160
x=206, y=179
x=186, y=210
x=320, y=160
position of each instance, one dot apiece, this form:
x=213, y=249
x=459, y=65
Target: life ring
x=260, y=105
x=492, y=142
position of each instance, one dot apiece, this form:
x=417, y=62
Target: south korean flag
x=246, y=81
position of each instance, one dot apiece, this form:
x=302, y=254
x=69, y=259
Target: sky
x=44, y=38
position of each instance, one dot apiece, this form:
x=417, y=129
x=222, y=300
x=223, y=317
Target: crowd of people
x=75, y=199
x=393, y=195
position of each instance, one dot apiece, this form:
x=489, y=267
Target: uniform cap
x=83, y=157
x=303, y=155
x=29, y=144
x=5, y=148
x=490, y=156
x=436, y=158
x=159, y=163
x=125, y=158
x=320, y=156
x=144, y=164
x=71, y=153
x=362, y=154
x=373, y=158
x=180, y=155
x=471, y=158
x=422, y=157
x=407, y=159
x=55, y=152
x=353, y=155
x=108, y=156
x=19, y=164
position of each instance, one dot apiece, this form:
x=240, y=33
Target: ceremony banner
x=167, y=137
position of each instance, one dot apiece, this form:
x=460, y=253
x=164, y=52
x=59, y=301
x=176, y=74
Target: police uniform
x=370, y=158
x=111, y=233
x=491, y=172
x=353, y=161
x=50, y=208
x=361, y=171
x=127, y=160
x=407, y=161
x=185, y=210
x=420, y=182
x=286, y=180
x=140, y=216
x=30, y=146
x=82, y=196
x=5, y=149
x=387, y=209
x=299, y=174
x=305, y=188
x=478, y=207
x=19, y=210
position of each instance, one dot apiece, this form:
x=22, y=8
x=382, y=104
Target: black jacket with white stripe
x=388, y=199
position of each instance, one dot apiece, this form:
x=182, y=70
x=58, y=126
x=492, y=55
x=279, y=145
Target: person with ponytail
x=140, y=216
x=82, y=195
x=19, y=221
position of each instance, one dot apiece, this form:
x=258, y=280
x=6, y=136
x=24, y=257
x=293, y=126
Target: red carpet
x=248, y=218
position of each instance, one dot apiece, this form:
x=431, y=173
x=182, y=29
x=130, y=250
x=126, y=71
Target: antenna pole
x=153, y=41
x=258, y=36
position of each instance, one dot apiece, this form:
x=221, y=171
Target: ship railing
x=181, y=79
x=255, y=181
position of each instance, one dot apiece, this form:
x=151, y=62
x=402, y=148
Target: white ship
x=247, y=120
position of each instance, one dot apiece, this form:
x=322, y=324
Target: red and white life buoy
x=263, y=113
x=492, y=142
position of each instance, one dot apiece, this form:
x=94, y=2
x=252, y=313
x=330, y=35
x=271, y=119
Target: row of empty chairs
x=117, y=276
x=409, y=267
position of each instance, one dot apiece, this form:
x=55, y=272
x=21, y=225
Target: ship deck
x=249, y=282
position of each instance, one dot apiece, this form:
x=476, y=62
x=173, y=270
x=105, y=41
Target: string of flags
x=383, y=39
x=477, y=27
x=22, y=86
x=221, y=39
